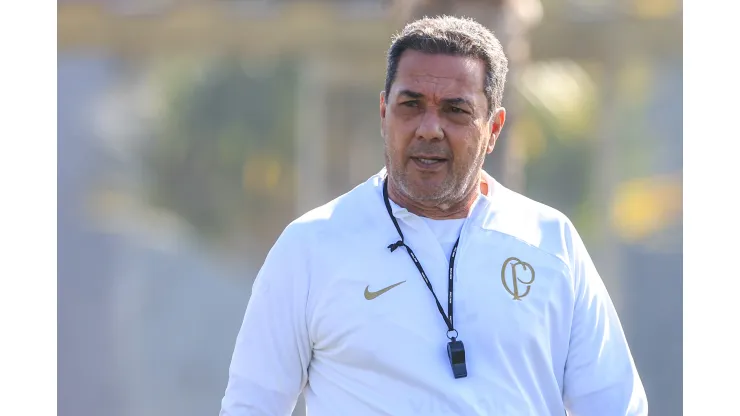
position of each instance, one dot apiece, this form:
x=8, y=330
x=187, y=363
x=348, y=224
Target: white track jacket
x=334, y=314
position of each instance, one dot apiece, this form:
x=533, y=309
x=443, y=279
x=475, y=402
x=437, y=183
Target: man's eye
x=457, y=110
x=410, y=103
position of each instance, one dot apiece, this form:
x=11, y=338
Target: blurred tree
x=556, y=131
x=558, y=166
x=223, y=155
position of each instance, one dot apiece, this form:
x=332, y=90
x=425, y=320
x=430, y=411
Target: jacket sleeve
x=600, y=374
x=269, y=366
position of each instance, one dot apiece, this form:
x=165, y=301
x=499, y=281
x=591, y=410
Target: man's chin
x=427, y=194
x=428, y=190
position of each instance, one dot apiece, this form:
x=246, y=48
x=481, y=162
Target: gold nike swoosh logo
x=372, y=295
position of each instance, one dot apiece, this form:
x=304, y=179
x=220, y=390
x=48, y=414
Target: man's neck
x=456, y=210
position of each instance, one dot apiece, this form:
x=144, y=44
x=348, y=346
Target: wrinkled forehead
x=440, y=76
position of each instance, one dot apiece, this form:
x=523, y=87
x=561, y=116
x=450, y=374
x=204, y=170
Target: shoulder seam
x=567, y=266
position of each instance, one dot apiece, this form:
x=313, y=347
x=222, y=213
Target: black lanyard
x=455, y=348
x=448, y=320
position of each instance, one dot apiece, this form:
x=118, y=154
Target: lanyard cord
x=400, y=243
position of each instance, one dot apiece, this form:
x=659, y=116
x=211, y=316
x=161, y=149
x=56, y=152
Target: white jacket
x=548, y=343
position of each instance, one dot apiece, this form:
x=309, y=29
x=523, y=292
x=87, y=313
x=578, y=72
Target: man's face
x=436, y=127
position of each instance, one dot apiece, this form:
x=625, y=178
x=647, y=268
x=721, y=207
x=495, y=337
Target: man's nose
x=430, y=127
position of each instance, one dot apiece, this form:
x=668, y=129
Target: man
x=431, y=289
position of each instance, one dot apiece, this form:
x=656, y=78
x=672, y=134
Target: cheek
x=394, y=147
x=402, y=127
x=397, y=135
x=469, y=145
x=479, y=141
x=474, y=151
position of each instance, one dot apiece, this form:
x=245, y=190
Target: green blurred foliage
x=223, y=154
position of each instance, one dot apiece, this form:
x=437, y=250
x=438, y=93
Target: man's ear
x=497, y=124
x=382, y=113
x=382, y=104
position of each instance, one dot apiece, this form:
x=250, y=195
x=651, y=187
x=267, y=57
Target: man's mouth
x=428, y=161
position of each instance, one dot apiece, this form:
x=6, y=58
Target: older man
x=430, y=288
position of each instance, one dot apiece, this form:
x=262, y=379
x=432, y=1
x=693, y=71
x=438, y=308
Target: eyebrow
x=454, y=101
x=412, y=94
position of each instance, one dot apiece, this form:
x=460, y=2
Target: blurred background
x=191, y=132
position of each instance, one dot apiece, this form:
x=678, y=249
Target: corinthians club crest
x=517, y=277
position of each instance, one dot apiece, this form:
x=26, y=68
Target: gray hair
x=457, y=37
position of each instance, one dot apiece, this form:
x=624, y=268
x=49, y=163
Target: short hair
x=456, y=37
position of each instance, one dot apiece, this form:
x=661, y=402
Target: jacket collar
x=482, y=213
